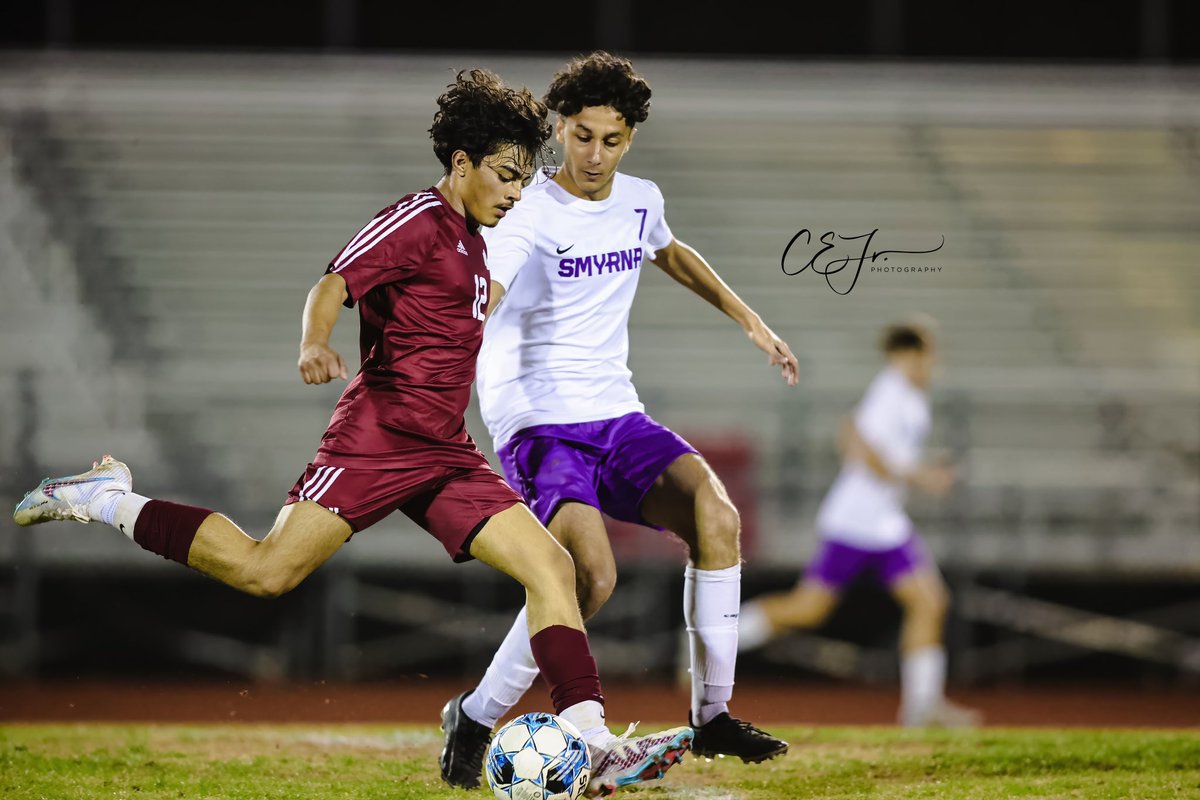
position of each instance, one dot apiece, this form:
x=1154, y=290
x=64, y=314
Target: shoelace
x=78, y=511
x=598, y=755
x=745, y=726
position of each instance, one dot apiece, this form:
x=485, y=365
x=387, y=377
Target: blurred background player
x=397, y=439
x=863, y=528
x=569, y=429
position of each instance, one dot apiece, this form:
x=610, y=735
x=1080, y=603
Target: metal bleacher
x=191, y=202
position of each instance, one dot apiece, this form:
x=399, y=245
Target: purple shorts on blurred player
x=836, y=564
x=609, y=464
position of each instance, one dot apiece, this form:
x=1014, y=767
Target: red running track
x=418, y=700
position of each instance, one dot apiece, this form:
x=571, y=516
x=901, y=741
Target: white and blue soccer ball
x=538, y=757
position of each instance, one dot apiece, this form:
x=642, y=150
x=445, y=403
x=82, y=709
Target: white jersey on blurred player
x=863, y=509
x=570, y=277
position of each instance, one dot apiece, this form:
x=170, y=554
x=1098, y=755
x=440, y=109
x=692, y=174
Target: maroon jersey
x=420, y=281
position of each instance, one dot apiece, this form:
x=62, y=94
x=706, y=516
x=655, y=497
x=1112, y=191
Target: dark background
x=1072, y=30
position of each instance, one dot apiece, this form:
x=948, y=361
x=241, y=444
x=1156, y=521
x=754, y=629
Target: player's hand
x=936, y=480
x=778, y=353
x=320, y=363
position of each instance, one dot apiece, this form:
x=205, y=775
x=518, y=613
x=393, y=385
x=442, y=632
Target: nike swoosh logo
x=561, y=250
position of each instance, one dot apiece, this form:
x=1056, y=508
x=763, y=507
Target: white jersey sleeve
x=660, y=233
x=510, y=245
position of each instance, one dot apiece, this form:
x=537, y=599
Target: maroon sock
x=565, y=659
x=168, y=528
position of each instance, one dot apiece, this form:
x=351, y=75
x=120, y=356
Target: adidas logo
x=462, y=249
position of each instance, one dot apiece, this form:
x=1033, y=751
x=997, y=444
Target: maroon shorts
x=452, y=503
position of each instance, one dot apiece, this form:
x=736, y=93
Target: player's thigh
x=673, y=501
x=304, y=536
x=516, y=543
x=921, y=590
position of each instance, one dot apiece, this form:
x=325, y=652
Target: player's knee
x=593, y=588
x=552, y=567
x=273, y=577
x=275, y=584
x=931, y=602
x=808, y=607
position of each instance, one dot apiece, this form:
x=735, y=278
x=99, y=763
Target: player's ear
x=560, y=130
x=629, y=141
x=459, y=161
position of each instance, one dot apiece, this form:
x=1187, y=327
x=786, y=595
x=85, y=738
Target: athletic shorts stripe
x=314, y=480
x=325, y=488
x=319, y=483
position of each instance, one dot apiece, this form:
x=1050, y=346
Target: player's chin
x=493, y=219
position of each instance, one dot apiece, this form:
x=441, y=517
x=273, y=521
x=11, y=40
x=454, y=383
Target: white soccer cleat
x=72, y=496
x=941, y=714
x=643, y=758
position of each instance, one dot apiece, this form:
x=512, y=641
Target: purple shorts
x=609, y=464
x=836, y=564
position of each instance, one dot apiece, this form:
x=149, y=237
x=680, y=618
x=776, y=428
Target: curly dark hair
x=479, y=115
x=600, y=79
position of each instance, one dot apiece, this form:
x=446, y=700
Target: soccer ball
x=538, y=757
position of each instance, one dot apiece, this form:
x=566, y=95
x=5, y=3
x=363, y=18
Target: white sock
x=507, y=679
x=923, y=677
x=754, y=629
x=120, y=510
x=588, y=717
x=710, y=611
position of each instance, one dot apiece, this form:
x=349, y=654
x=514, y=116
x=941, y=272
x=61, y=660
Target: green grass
x=397, y=763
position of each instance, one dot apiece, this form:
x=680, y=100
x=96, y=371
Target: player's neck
x=450, y=192
x=563, y=179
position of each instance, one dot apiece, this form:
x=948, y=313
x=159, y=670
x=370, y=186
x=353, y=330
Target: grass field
x=398, y=763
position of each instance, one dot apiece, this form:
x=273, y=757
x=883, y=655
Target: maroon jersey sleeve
x=389, y=249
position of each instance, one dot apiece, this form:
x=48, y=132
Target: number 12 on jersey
x=479, y=309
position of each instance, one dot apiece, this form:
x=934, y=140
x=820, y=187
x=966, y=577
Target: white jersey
x=861, y=509
x=556, y=348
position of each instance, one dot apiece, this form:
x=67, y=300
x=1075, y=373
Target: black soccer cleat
x=465, y=742
x=728, y=736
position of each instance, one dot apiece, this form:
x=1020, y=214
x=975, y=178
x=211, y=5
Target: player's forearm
x=321, y=310
x=690, y=269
